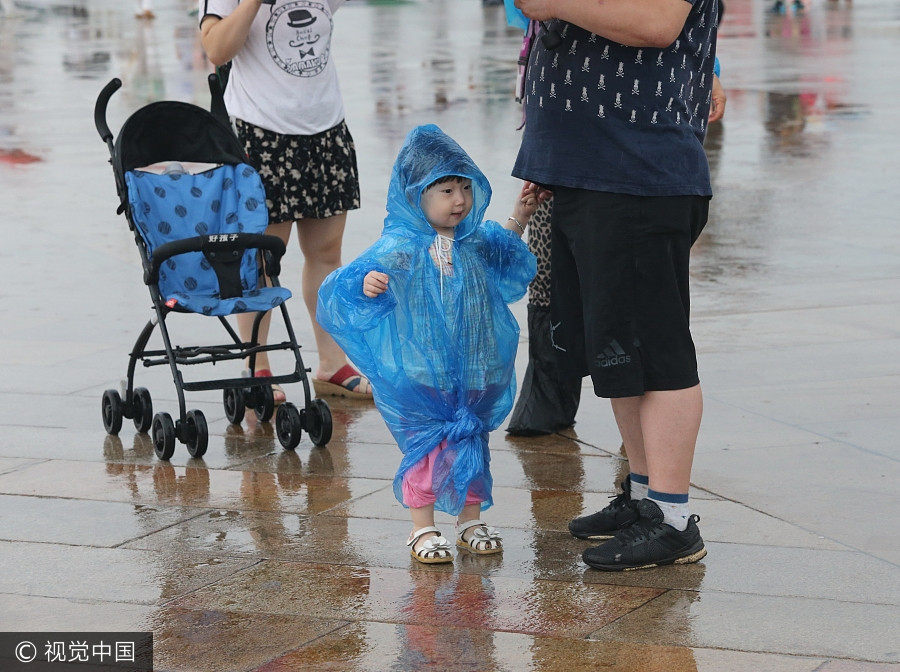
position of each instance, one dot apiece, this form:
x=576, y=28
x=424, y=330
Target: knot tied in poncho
x=439, y=345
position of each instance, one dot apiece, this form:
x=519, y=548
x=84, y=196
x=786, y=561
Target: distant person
x=145, y=10
x=284, y=95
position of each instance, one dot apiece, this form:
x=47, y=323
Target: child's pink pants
x=416, y=486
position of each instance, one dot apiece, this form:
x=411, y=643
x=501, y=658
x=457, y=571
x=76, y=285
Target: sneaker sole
x=592, y=537
x=685, y=560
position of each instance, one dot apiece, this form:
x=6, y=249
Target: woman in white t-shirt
x=284, y=96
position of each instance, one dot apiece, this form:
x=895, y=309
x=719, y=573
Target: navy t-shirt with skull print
x=608, y=117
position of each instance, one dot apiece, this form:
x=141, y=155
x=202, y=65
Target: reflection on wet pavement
x=256, y=558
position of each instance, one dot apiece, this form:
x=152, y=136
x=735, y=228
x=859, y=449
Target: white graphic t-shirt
x=284, y=79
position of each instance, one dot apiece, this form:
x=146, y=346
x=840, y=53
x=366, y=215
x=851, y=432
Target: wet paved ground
x=254, y=558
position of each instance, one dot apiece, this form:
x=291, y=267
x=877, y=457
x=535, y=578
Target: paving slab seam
x=730, y=313
x=823, y=665
x=188, y=465
x=235, y=466
x=591, y=445
x=665, y=591
x=347, y=502
x=31, y=426
x=793, y=524
x=799, y=548
x=374, y=563
x=28, y=464
x=831, y=439
x=207, y=585
x=81, y=600
x=343, y=624
x=825, y=658
x=165, y=527
x=164, y=505
x=66, y=543
x=531, y=633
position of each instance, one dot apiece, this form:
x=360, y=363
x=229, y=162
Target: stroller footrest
x=230, y=383
x=209, y=354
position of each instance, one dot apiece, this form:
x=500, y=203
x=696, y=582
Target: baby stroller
x=200, y=237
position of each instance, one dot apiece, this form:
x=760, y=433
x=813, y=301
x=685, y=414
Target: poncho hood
x=427, y=155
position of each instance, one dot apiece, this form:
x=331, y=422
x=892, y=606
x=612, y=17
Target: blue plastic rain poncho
x=439, y=345
x=514, y=16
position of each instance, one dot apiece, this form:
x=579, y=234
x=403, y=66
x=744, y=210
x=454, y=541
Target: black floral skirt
x=304, y=175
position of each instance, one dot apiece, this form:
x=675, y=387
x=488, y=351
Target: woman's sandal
x=482, y=540
x=346, y=382
x=277, y=390
x=433, y=550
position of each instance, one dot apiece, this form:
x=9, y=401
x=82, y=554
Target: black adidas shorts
x=619, y=288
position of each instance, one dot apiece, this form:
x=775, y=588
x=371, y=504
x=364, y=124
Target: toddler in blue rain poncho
x=423, y=313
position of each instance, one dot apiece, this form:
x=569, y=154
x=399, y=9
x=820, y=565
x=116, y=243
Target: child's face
x=446, y=205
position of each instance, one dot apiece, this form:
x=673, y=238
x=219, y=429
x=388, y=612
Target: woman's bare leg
x=320, y=241
x=245, y=320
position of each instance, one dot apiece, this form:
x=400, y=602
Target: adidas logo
x=612, y=355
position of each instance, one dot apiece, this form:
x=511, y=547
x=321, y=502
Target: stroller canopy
x=174, y=131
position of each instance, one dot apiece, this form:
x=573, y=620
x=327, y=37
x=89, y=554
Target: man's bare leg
x=670, y=423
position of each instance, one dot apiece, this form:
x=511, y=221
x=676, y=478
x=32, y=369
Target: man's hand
x=717, y=106
x=539, y=10
x=375, y=283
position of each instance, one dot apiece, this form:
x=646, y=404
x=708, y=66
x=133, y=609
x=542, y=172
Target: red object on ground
x=18, y=157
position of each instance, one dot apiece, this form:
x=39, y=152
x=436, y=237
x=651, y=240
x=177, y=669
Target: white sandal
x=484, y=540
x=433, y=551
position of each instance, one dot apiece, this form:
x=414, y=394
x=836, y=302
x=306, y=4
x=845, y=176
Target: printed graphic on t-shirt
x=597, y=78
x=298, y=36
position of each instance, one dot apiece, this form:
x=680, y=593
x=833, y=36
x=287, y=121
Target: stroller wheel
x=142, y=409
x=318, y=422
x=197, y=433
x=234, y=405
x=113, y=410
x=264, y=405
x=163, y=434
x=288, y=425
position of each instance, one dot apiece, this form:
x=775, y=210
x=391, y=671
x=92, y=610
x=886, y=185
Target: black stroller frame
x=220, y=250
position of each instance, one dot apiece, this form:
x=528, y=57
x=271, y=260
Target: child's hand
x=375, y=283
x=528, y=200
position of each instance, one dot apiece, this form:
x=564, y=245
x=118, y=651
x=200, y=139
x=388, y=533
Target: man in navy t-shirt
x=616, y=111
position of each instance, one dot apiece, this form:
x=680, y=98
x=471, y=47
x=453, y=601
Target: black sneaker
x=648, y=543
x=617, y=515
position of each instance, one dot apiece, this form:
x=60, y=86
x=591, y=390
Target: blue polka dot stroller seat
x=201, y=236
x=215, y=203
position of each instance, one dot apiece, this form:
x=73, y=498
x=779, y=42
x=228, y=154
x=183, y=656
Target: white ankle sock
x=675, y=513
x=639, y=486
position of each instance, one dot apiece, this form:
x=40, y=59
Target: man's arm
x=636, y=23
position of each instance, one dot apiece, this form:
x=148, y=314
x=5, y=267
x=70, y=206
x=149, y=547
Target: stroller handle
x=100, y=108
